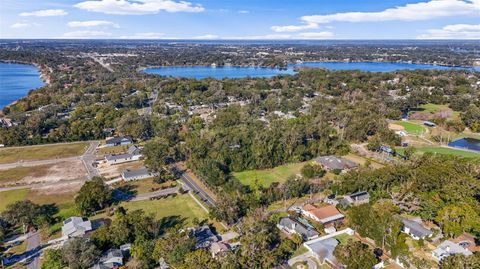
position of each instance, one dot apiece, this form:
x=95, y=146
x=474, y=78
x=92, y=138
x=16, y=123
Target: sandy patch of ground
x=61, y=188
x=67, y=170
x=114, y=171
x=395, y=127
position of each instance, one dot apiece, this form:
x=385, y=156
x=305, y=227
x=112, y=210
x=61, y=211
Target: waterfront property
x=16, y=80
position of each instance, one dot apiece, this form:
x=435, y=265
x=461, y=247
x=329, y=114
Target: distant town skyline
x=235, y=19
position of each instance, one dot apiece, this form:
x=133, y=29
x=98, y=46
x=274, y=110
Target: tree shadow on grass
x=169, y=222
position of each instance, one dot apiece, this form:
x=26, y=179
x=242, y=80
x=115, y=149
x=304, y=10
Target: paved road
x=5, y=166
x=88, y=158
x=193, y=186
x=146, y=196
x=33, y=242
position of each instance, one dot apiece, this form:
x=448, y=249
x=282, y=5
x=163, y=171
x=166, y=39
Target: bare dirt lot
x=114, y=171
x=63, y=170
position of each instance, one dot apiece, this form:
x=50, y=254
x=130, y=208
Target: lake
x=16, y=80
x=466, y=143
x=201, y=72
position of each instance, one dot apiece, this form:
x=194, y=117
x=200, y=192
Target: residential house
x=326, y=214
x=331, y=163
x=112, y=259
x=204, y=236
x=117, y=141
x=218, y=249
x=291, y=226
x=467, y=241
x=323, y=249
x=75, y=227
x=137, y=174
x=132, y=154
x=415, y=229
x=357, y=198
x=448, y=248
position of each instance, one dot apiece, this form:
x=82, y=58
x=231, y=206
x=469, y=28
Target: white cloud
x=433, y=9
x=243, y=11
x=138, y=7
x=149, y=35
x=453, y=31
x=86, y=34
x=315, y=35
x=294, y=28
x=19, y=25
x=45, y=13
x=207, y=36
x=92, y=24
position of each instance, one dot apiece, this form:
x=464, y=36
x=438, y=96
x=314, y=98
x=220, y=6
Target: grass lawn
x=344, y=238
x=113, y=150
x=8, y=197
x=42, y=152
x=445, y=151
x=267, y=176
x=411, y=128
x=181, y=205
x=18, y=173
x=61, y=199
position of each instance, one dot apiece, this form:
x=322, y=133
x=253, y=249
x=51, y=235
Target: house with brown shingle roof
x=326, y=214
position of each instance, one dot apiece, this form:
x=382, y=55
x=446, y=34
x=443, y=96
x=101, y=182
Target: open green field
x=8, y=197
x=445, y=151
x=411, y=128
x=62, y=200
x=181, y=205
x=43, y=152
x=267, y=176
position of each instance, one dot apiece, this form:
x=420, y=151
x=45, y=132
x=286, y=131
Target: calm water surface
x=200, y=72
x=16, y=80
x=466, y=143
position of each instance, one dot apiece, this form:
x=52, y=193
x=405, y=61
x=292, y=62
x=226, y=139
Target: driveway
x=33, y=242
x=306, y=257
x=146, y=196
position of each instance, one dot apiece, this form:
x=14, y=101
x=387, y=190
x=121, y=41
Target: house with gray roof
x=292, y=226
x=357, y=198
x=75, y=227
x=330, y=163
x=132, y=154
x=415, y=229
x=449, y=248
x=323, y=251
x=112, y=259
x=137, y=174
x=117, y=141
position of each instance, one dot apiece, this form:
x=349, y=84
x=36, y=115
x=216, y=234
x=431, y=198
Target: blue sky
x=241, y=19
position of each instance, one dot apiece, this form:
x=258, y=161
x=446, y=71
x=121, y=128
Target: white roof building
x=75, y=227
x=448, y=248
